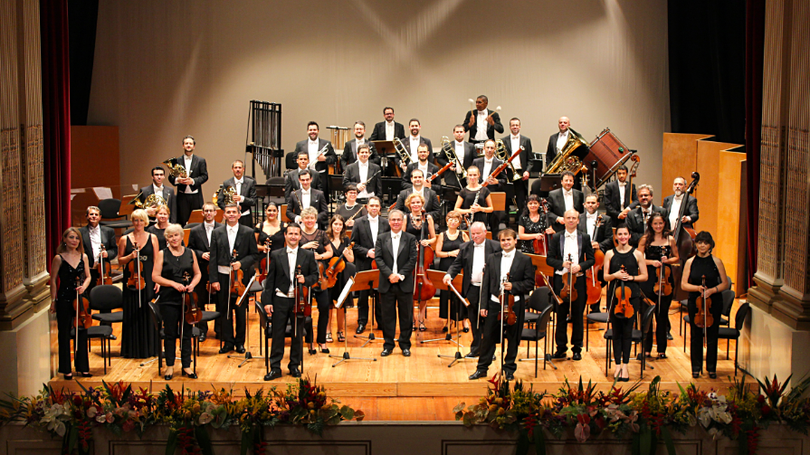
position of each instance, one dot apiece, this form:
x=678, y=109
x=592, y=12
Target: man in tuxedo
x=225, y=240
x=562, y=200
x=364, y=174
x=512, y=143
x=423, y=165
x=482, y=123
x=291, y=178
x=157, y=187
x=189, y=188
x=471, y=259
x=557, y=140
x=513, y=271
x=365, y=233
x=637, y=218
x=465, y=152
x=618, y=200
x=245, y=196
x=672, y=205
x=412, y=142
x=313, y=145
x=577, y=245
x=432, y=206
x=350, y=148
x=396, y=260
x=601, y=236
x=306, y=197
x=99, y=242
x=486, y=164
x=389, y=129
x=199, y=241
x=278, y=298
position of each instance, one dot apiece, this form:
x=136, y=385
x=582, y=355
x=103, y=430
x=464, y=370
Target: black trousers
x=662, y=324
x=362, y=308
x=696, y=343
x=65, y=315
x=622, y=337
x=203, y=297
x=492, y=336
x=576, y=317
x=324, y=304
x=227, y=317
x=283, y=315
x=476, y=322
x=397, y=302
x=521, y=193
x=186, y=203
x=172, y=315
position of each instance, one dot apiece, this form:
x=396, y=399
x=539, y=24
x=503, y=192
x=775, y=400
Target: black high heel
x=168, y=376
x=86, y=375
x=68, y=376
x=191, y=375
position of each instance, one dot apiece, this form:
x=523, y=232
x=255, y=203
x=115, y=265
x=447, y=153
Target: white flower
x=206, y=418
x=92, y=411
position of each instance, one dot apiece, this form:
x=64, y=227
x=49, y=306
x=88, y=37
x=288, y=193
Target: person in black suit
x=396, y=260
x=157, y=187
x=511, y=271
x=637, y=218
x=512, y=143
x=189, y=188
x=601, y=236
x=557, y=140
x=98, y=241
x=482, y=123
x=313, y=145
x=471, y=259
x=349, y=155
x=425, y=166
x=618, y=200
x=278, y=294
x=389, y=129
x=291, y=177
x=562, y=200
x=365, y=174
x=575, y=244
x=432, y=206
x=245, y=196
x=486, y=164
x=366, y=231
x=672, y=205
x=306, y=197
x=225, y=240
x=199, y=241
x=465, y=152
x=412, y=143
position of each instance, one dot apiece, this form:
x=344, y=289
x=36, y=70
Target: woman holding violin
x=138, y=337
x=314, y=239
x=72, y=269
x=474, y=201
x=448, y=245
x=271, y=228
x=342, y=259
x=420, y=224
x=660, y=252
x=159, y=228
x=622, y=268
x=177, y=272
x=532, y=226
x=704, y=278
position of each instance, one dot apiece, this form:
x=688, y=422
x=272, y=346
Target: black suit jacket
x=316, y=199
x=604, y=234
x=613, y=203
x=249, y=194
x=351, y=174
x=557, y=206
x=470, y=154
x=107, y=239
x=525, y=155
x=406, y=260
x=199, y=173
x=556, y=247
x=279, y=275
x=432, y=205
x=350, y=153
x=501, y=178
x=198, y=242
x=521, y=275
x=363, y=241
x=496, y=119
x=422, y=140
x=691, y=209
x=291, y=182
x=168, y=196
x=464, y=261
x=635, y=222
x=320, y=166
x=245, y=246
x=436, y=184
x=551, y=150
x=378, y=134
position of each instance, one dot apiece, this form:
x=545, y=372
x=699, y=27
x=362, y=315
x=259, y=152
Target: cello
x=424, y=289
x=594, y=286
x=103, y=269
x=684, y=238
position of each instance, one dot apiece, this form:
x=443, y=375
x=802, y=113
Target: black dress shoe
x=68, y=376
x=577, y=356
x=240, y=349
x=510, y=376
x=273, y=374
x=478, y=375
x=191, y=375
x=471, y=355
x=669, y=336
x=324, y=350
x=295, y=372
x=385, y=353
x=312, y=351
x=712, y=375
x=360, y=329
x=168, y=376
x=559, y=355
x=406, y=352
x=696, y=374
x=202, y=338
x=90, y=375
x=225, y=349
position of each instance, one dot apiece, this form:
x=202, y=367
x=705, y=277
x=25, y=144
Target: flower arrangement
x=119, y=409
x=645, y=416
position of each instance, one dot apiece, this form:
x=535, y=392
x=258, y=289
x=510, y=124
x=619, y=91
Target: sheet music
x=344, y=294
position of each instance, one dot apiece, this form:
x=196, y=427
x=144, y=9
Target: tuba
x=500, y=153
x=175, y=169
x=450, y=153
x=565, y=159
x=404, y=156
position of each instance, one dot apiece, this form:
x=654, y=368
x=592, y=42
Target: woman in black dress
x=532, y=225
x=339, y=241
x=660, y=251
x=474, y=201
x=315, y=240
x=351, y=210
x=176, y=271
x=162, y=217
x=138, y=337
x=420, y=224
x=448, y=244
x=699, y=268
x=269, y=232
x=629, y=257
x=70, y=265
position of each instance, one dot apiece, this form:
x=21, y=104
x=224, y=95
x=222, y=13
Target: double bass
x=424, y=289
x=684, y=238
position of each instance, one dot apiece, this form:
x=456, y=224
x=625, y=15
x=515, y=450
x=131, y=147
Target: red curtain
x=754, y=48
x=56, y=118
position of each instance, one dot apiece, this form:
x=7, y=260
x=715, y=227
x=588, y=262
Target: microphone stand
x=457, y=357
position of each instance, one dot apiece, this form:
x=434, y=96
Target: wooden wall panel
x=707, y=192
x=729, y=213
x=679, y=158
x=94, y=157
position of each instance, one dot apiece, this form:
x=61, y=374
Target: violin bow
x=138, y=271
x=76, y=326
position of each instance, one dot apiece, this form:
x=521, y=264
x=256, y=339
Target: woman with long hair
x=448, y=245
x=421, y=225
x=339, y=241
x=315, y=240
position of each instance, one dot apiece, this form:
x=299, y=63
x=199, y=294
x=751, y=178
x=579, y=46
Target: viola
x=336, y=265
x=302, y=306
x=191, y=312
x=264, y=264
x=135, y=281
x=704, y=317
x=424, y=289
x=623, y=295
x=592, y=285
x=103, y=269
x=662, y=286
x=237, y=277
x=508, y=303
x=81, y=305
x=569, y=280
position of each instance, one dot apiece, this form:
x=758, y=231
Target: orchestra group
x=633, y=240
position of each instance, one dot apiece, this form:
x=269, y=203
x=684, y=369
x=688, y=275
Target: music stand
x=436, y=277
x=239, y=302
x=336, y=186
x=368, y=280
x=344, y=294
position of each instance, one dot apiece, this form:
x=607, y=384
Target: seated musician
x=562, y=200
x=601, y=237
x=672, y=205
x=418, y=187
x=365, y=174
x=278, y=299
x=486, y=165
x=349, y=155
x=620, y=196
x=291, y=178
x=350, y=210
x=420, y=224
x=511, y=271
x=532, y=226
x=306, y=197
x=161, y=191
x=427, y=168
x=465, y=152
x=244, y=192
x=637, y=218
x=482, y=123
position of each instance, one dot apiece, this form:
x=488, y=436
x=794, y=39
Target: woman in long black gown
x=336, y=235
x=421, y=225
x=660, y=251
x=448, y=244
x=474, y=201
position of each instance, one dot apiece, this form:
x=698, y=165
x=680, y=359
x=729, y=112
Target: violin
x=569, y=280
x=662, y=286
x=264, y=264
x=135, y=281
x=593, y=286
x=237, y=277
x=540, y=244
x=191, y=312
x=336, y=265
x=103, y=269
x=623, y=295
x=82, y=308
x=302, y=306
x=424, y=289
x=704, y=317
x=508, y=304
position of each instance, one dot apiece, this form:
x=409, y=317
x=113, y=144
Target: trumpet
x=320, y=152
x=450, y=153
x=175, y=169
x=500, y=153
x=404, y=156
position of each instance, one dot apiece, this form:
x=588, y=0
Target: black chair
x=601, y=318
x=109, y=214
x=157, y=319
x=107, y=297
x=728, y=333
x=638, y=337
x=539, y=303
x=103, y=333
x=728, y=301
x=266, y=326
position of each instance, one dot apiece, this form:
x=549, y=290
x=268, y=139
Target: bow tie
x=622, y=184
x=571, y=235
x=394, y=236
x=508, y=255
x=305, y=192
x=238, y=182
x=568, y=193
x=289, y=251
x=480, y=245
x=233, y=229
x=591, y=215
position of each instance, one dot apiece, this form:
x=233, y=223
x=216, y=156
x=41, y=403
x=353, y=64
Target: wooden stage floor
x=420, y=387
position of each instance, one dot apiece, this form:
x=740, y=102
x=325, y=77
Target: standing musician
x=576, y=244
x=364, y=174
x=638, y=217
x=226, y=239
x=389, y=129
x=704, y=264
x=420, y=224
x=199, y=240
x=172, y=266
x=365, y=233
x=162, y=217
x=562, y=200
x=412, y=142
x=486, y=164
x=513, y=142
x=98, y=242
x=278, y=298
x=189, y=188
x=313, y=145
x=471, y=259
x=271, y=228
x=157, y=187
x=660, y=252
x=531, y=225
x=432, y=205
x=396, y=261
x=314, y=239
x=508, y=271
x=602, y=238
x=465, y=152
x=423, y=165
x=482, y=123
x=627, y=256
x=448, y=245
x=245, y=196
x=306, y=197
x=350, y=208
x=557, y=140
x=291, y=182
x=69, y=265
x=339, y=241
x=672, y=205
x=349, y=155
x=474, y=200
x=618, y=200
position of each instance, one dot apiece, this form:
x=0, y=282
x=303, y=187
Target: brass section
x=564, y=160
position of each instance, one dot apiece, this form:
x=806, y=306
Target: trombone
x=404, y=156
x=500, y=153
x=450, y=153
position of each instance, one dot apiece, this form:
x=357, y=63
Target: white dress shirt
x=487, y=168
x=481, y=124
x=622, y=187
x=674, y=210
x=389, y=131
x=209, y=228
x=95, y=241
x=568, y=196
x=238, y=185
x=561, y=140
x=231, y=231
x=415, y=141
x=187, y=162
x=506, y=266
x=479, y=259
x=363, y=170
x=292, y=258
x=459, y=146
x=570, y=247
x=590, y=223
x=515, y=147
x=312, y=151
x=158, y=190
x=395, y=238
x=374, y=225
